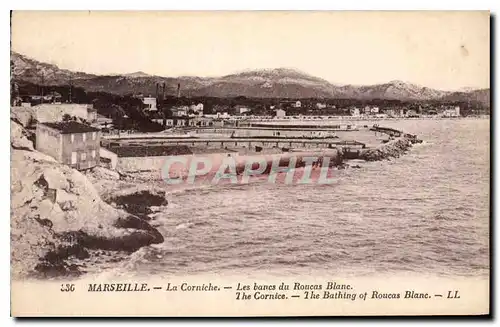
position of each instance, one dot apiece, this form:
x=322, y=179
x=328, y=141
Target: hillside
x=27, y=69
x=263, y=83
x=482, y=96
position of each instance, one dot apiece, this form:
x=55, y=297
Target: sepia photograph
x=250, y=163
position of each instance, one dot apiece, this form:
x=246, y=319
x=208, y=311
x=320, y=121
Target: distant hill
x=263, y=83
x=482, y=96
x=137, y=74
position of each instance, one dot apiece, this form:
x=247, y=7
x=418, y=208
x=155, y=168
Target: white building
x=375, y=110
x=452, y=112
x=298, y=104
x=280, y=113
x=180, y=111
x=149, y=103
x=355, y=112
x=241, y=109
x=197, y=108
x=320, y=105
x=53, y=112
x=223, y=115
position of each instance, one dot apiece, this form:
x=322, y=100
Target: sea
x=424, y=213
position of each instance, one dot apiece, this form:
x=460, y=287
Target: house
x=411, y=113
x=374, y=110
x=149, y=104
x=239, y=109
x=451, y=112
x=320, y=105
x=197, y=108
x=179, y=111
x=175, y=122
x=201, y=122
x=355, y=112
x=54, y=112
x=390, y=112
x=298, y=104
x=72, y=143
x=280, y=113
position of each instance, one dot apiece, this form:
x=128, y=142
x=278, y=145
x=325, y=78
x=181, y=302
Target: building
x=355, y=112
x=149, y=104
x=197, y=108
x=298, y=104
x=52, y=97
x=411, y=113
x=180, y=111
x=451, y=112
x=201, y=122
x=374, y=110
x=223, y=115
x=239, y=109
x=320, y=105
x=54, y=112
x=147, y=157
x=280, y=113
x=390, y=112
x=74, y=144
x=175, y=122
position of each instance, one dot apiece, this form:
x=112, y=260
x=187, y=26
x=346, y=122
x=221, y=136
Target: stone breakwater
x=392, y=149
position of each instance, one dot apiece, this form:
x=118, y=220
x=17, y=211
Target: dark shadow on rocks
x=128, y=243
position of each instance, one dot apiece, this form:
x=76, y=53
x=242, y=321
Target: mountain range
x=264, y=83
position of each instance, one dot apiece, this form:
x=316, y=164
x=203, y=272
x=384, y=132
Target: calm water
x=426, y=213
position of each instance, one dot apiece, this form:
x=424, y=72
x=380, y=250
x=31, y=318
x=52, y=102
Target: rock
x=19, y=137
x=135, y=197
x=104, y=173
x=55, y=178
x=390, y=149
x=64, y=252
x=23, y=116
x=130, y=242
x=66, y=200
x=45, y=222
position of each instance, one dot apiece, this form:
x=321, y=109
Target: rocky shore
x=58, y=217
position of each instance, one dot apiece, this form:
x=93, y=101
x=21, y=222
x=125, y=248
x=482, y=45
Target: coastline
x=68, y=223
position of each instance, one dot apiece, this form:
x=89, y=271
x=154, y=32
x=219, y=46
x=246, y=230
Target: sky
x=443, y=50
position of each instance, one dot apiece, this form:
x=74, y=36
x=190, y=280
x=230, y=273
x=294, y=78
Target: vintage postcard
x=286, y=163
